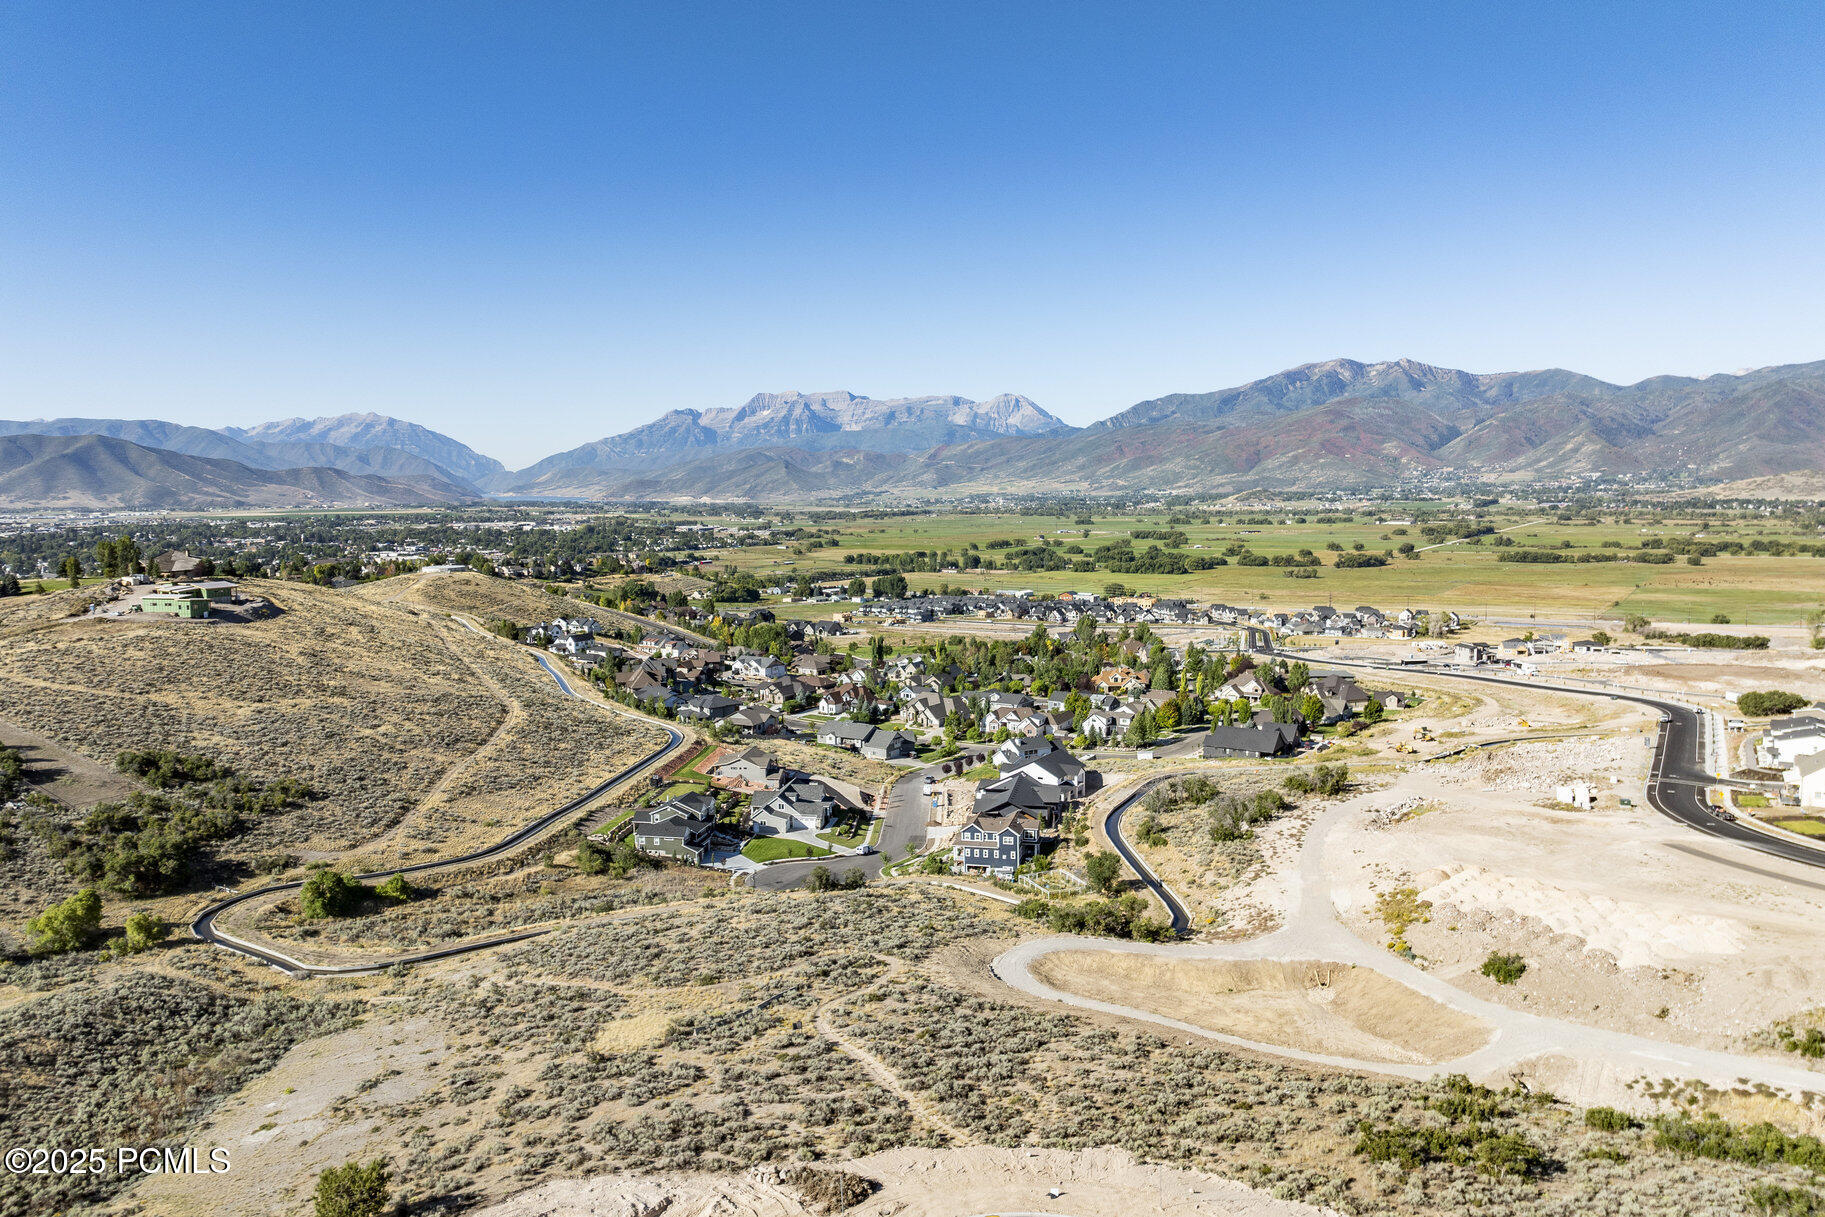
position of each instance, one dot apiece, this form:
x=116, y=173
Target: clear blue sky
x=531, y=225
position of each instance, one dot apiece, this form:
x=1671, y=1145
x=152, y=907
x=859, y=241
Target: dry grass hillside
x=476, y=595
x=411, y=730
x=720, y=1033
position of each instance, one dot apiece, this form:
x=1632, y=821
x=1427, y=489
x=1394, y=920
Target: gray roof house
x=998, y=843
x=1274, y=740
x=679, y=828
x=800, y=804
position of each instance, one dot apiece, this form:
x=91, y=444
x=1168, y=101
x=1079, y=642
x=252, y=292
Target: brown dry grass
x=477, y=595
x=1314, y=1007
x=398, y=720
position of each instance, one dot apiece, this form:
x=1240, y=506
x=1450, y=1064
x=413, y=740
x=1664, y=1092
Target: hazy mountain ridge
x=370, y=431
x=1339, y=423
x=806, y=421
x=260, y=447
x=1386, y=422
x=99, y=471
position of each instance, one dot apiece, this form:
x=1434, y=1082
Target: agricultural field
x=1464, y=575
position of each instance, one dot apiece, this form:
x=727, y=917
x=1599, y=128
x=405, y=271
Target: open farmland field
x=1466, y=576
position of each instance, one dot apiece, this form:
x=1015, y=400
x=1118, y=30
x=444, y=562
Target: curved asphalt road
x=1112, y=826
x=1676, y=784
x=204, y=926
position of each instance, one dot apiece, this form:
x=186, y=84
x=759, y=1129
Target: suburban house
x=1341, y=695
x=998, y=843
x=1017, y=792
x=754, y=720
x=756, y=667
x=679, y=828
x=1022, y=748
x=708, y=707
x=749, y=767
x=842, y=733
x=1057, y=769
x=176, y=564
x=885, y=745
x=1788, y=739
x=1809, y=775
x=1249, y=686
x=799, y=804
x=1274, y=740
x=875, y=743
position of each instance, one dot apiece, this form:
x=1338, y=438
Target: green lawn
x=695, y=771
x=771, y=849
x=1804, y=825
x=848, y=834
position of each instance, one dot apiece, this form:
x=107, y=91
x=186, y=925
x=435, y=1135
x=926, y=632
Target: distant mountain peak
x=822, y=420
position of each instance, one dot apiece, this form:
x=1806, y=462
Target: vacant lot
x=1315, y=1007
x=476, y=595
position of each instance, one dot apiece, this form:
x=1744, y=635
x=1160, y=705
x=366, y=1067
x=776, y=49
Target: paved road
x=1676, y=780
x=1112, y=827
x=205, y=928
x=1313, y=933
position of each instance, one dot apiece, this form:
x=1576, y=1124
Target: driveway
x=902, y=830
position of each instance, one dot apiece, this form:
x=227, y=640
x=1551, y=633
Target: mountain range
x=1336, y=424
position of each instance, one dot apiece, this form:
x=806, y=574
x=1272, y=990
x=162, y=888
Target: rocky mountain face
x=809, y=422
x=1339, y=424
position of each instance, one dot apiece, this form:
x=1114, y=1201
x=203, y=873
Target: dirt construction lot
x=1315, y=1007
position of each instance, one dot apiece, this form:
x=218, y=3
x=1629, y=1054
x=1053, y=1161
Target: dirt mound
x=1337, y=1009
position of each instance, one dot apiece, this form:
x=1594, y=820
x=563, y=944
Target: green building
x=188, y=602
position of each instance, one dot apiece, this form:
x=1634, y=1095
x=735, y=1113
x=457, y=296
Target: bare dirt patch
x=926, y=1183
x=1311, y=1006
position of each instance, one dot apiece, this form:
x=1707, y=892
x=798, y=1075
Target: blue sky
x=530, y=225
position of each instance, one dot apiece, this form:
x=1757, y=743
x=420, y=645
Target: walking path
x=1313, y=933
x=921, y=1107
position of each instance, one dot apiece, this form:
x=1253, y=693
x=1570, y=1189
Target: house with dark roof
x=679, y=828
x=998, y=843
x=1276, y=739
x=750, y=767
x=800, y=804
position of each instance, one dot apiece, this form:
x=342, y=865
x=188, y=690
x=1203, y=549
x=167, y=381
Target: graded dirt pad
x=1335, y=1009
x=923, y=1183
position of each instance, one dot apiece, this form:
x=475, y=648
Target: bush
x=1104, y=870
x=396, y=889
x=1353, y=561
x=1773, y=1200
x=1504, y=969
x=68, y=926
x=1756, y=1144
x=329, y=893
x=1608, y=1119
x=353, y=1190
x=145, y=931
x=1769, y=703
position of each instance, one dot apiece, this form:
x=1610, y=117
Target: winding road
x=205, y=928
x=1676, y=786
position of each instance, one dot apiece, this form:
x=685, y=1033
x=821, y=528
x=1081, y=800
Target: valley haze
x=1337, y=424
